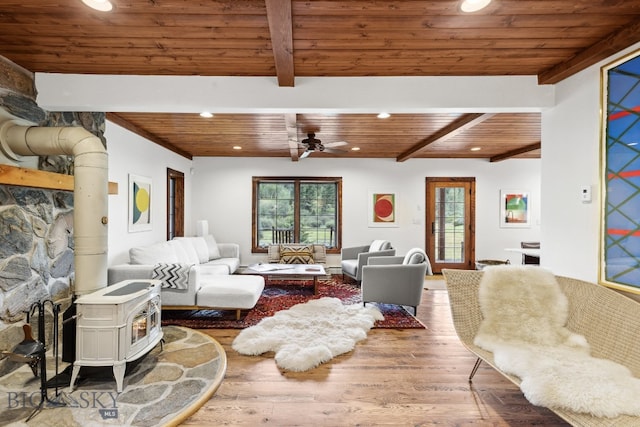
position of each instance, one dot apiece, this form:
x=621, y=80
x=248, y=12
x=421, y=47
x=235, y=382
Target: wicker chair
x=609, y=320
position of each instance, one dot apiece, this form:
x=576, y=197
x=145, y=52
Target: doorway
x=450, y=219
x=175, y=204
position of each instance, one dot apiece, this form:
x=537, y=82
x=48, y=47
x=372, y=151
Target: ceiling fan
x=311, y=144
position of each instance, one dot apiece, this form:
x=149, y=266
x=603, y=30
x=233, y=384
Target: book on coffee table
x=269, y=267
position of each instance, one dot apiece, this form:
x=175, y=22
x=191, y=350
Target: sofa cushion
x=152, y=254
x=415, y=256
x=200, y=245
x=296, y=254
x=214, y=251
x=201, y=248
x=181, y=254
x=349, y=266
x=241, y=291
x=191, y=254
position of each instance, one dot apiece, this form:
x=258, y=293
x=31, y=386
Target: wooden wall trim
x=14, y=175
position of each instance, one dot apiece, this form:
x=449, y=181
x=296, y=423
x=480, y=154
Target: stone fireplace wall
x=36, y=225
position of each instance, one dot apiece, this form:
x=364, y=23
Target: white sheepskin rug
x=308, y=334
x=524, y=317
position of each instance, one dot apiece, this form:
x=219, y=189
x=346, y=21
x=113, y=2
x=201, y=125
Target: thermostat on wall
x=585, y=194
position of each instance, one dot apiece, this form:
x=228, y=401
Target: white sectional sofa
x=205, y=272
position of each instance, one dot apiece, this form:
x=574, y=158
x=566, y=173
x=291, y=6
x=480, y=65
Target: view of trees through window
x=306, y=206
x=449, y=224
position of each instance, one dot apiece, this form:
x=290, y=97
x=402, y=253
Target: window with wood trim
x=297, y=210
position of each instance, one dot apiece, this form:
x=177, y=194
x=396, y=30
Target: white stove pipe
x=90, y=194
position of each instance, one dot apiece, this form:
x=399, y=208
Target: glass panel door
x=450, y=214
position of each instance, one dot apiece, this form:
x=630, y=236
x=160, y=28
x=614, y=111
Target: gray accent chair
x=354, y=258
x=396, y=280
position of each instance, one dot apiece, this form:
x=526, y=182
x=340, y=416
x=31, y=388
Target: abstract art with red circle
x=383, y=209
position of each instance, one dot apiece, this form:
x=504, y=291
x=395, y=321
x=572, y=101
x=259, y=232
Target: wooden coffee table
x=289, y=270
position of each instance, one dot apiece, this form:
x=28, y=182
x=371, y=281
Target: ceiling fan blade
x=336, y=144
x=334, y=150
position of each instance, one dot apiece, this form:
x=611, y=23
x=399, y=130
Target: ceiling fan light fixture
x=473, y=5
x=101, y=5
x=384, y=115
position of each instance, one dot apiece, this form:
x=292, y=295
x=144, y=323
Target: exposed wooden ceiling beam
x=606, y=47
x=516, y=152
x=459, y=125
x=15, y=78
x=281, y=30
x=115, y=118
x=292, y=135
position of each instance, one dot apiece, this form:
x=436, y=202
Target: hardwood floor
x=412, y=377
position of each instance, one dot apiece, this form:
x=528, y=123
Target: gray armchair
x=354, y=258
x=395, y=279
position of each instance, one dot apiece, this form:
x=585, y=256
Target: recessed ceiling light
x=206, y=115
x=474, y=5
x=476, y=148
x=237, y=147
x=101, y=5
x=384, y=115
x=355, y=149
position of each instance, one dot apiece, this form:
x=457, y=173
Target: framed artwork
x=515, y=211
x=139, y=203
x=620, y=174
x=383, y=209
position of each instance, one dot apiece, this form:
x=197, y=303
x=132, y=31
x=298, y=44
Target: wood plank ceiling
x=551, y=39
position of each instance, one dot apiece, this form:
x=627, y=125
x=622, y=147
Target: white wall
x=219, y=190
x=130, y=153
x=570, y=159
x=222, y=195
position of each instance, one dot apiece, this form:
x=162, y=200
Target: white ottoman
x=238, y=292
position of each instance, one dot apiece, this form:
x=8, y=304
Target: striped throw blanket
x=173, y=276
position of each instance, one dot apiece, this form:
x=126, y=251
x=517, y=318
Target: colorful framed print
x=620, y=174
x=139, y=203
x=383, y=209
x=515, y=211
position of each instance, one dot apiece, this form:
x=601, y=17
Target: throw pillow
x=296, y=254
x=214, y=252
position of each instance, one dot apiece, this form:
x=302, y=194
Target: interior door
x=450, y=219
x=175, y=203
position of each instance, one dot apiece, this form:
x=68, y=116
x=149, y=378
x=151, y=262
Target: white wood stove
x=117, y=324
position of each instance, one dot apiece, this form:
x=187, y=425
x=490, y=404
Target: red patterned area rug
x=281, y=295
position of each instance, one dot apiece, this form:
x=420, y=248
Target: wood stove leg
x=118, y=373
x=74, y=376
